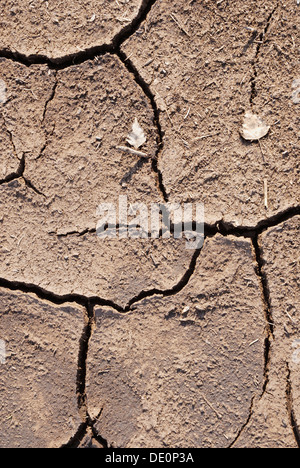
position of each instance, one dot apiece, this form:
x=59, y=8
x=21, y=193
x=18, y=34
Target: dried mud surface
x=164, y=358
x=222, y=70
x=143, y=343
x=59, y=29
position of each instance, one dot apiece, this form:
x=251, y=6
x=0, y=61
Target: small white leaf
x=254, y=128
x=137, y=137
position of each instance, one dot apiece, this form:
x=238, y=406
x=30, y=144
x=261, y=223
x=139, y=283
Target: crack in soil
x=151, y=97
x=251, y=411
x=251, y=231
x=289, y=400
x=96, y=300
x=113, y=48
x=19, y=174
x=52, y=95
x=15, y=175
x=220, y=227
x=87, y=421
x=210, y=230
x=267, y=309
x=30, y=185
x=81, y=432
x=50, y=134
x=82, y=363
x=11, y=138
x=90, y=303
x=290, y=409
x=260, y=43
x=82, y=56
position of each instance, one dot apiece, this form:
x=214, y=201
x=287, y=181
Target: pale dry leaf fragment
x=296, y=92
x=254, y=128
x=137, y=137
x=2, y=92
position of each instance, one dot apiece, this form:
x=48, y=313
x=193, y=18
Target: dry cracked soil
x=141, y=343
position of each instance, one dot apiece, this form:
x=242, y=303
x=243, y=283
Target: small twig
x=188, y=113
x=291, y=319
x=129, y=57
x=149, y=62
x=211, y=407
x=266, y=193
x=179, y=24
x=34, y=95
x=206, y=136
x=123, y=19
x=125, y=149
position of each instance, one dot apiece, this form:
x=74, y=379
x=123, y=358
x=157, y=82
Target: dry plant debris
x=137, y=137
x=254, y=128
x=146, y=344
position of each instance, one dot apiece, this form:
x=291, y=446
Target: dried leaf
x=254, y=128
x=137, y=137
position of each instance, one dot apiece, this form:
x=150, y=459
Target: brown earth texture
x=114, y=341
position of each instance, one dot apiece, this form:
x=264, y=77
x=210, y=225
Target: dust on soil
x=143, y=343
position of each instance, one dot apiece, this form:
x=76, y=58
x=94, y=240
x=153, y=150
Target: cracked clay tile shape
x=271, y=424
x=181, y=371
x=113, y=269
x=281, y=253
x=203, y=83
x=38, y=401
x=58, y=29
x=75, y=175
x=27, y=91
